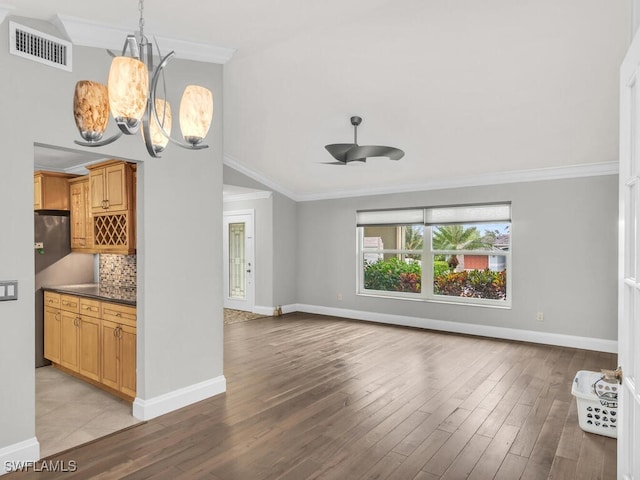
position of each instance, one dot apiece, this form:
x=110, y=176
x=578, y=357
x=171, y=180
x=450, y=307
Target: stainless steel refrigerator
x=55, y=265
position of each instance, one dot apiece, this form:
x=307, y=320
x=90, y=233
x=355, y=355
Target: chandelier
x=131, y=96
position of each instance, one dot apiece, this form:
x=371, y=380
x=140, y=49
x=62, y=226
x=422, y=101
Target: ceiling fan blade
x=365, y=151
x=334, y=163
x=339, y=150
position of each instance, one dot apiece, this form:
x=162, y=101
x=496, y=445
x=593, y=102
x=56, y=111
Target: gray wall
x=180, y=291
x=276, y=241
x=285, y=241
x=564, y=241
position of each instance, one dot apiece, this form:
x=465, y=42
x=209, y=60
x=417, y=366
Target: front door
x=238, y=260
x=629, y=267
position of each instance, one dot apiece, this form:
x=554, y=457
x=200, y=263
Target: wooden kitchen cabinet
x=119, y=357
x=51, y=190
x=52, y=333
x=112, y=206
x=128, y=338
x=119, y=348
x=93, y=340
x=89, y=347
x=69, y=337
x=89, y=338
x=52, y=326
x=110, y=185
x=81, y=218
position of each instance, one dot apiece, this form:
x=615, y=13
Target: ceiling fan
x=352, y=152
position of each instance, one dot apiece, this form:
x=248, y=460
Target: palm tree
x=413, y=237
x=457, y=237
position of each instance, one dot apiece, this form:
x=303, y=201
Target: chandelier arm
x=152, y=105
x=101, y=143
x=147, y=134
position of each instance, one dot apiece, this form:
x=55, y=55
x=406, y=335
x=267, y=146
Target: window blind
x=484, y=213
x=390, y=217
x=488, y=213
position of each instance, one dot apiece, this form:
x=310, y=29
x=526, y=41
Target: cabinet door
x=89, y=347
x=78, y=227
x=37, y=193
x=116, y=185
x=96, y=188
x=69, y=340
x=52, y=334
x=109, y=355
x=86, y=211
x=128, y=360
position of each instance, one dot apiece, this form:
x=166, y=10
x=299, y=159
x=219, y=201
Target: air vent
x=37, y=46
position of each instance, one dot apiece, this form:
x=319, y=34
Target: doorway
x=238, y=264
x=69, y=411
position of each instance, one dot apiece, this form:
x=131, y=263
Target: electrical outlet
x=540, y=317
x=339, y=296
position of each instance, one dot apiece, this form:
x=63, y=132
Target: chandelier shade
x=128, y=86
x=158, y=139
x=91, y=109
x=196, y=113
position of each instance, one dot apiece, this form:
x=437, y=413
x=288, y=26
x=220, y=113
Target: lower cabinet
x=89, y=347
x=119, y=357
x=95, y=340
x=52, y=333
x=69, y=337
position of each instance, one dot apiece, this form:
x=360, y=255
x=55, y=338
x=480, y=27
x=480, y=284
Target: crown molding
x=533, y=175
x=259, y=177
x=4, y=11
x=241, y=197
x=518, y=176
x=88, y=33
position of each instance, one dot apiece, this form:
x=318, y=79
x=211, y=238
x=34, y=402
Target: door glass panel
x=237, y=270
x=630, y=227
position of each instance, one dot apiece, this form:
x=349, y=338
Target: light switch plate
x=8, y=290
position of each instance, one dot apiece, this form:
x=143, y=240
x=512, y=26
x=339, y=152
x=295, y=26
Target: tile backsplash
x=118, y=270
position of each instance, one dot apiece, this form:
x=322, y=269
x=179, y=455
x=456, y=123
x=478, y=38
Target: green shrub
x=473, y=284
x=393, y=275
x=440, y=267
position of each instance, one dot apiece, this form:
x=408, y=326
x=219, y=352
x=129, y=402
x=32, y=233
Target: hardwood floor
x=315, y=397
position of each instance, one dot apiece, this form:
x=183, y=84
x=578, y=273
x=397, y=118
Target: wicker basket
x=597, y=401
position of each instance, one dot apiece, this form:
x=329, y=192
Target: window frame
x=427, y=254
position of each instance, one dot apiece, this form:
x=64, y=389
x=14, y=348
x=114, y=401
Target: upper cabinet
x=112, y=206
x=51, y=190
x=110, y=186
x=81, y=219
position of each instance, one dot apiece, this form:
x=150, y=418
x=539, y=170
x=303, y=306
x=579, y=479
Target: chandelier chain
x=141, y=21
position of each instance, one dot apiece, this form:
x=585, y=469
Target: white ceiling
x=465, y=87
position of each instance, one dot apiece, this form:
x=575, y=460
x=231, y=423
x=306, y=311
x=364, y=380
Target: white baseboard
x=290, y=308
x=262, y=310
x=168, y=402
x=268, y=311
x=17, y=455
x=586, y=343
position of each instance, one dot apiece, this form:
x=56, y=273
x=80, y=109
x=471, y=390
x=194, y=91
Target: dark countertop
x=109, y=293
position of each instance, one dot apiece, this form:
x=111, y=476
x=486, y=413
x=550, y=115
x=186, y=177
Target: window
x=459, y=254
